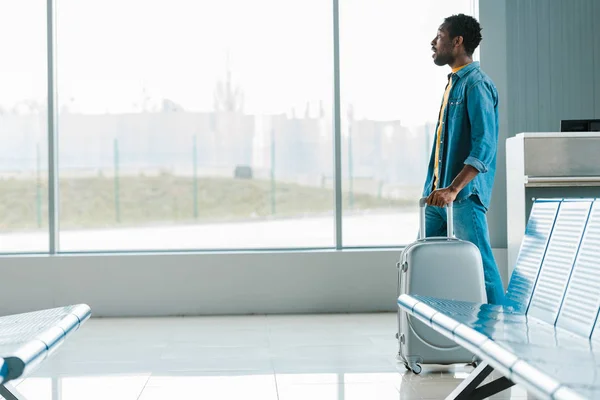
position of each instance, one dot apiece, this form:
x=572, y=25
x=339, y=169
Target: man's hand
x=442, y=197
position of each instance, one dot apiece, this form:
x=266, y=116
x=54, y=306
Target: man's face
x=443, y=47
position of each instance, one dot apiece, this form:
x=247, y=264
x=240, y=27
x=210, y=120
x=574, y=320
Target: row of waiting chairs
x=546, y=334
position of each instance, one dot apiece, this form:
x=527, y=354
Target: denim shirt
x=469, y=134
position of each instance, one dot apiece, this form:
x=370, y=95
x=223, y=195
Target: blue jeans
x=470, y=223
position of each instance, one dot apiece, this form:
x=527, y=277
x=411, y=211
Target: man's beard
x=442, y=59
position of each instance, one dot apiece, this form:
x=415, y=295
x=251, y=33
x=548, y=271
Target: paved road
x=375, y=229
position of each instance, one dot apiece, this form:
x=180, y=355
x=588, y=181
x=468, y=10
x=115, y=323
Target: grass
x=91, y=202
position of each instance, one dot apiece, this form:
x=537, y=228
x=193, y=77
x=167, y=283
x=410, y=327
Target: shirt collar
x=464, y=71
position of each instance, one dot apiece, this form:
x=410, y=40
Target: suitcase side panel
x=450, y=270
x=443, y=268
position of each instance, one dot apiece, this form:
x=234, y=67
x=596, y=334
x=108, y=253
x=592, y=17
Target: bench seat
x=555, y=357
x=27, y=339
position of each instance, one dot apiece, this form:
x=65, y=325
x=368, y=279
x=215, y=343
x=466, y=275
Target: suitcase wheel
x=415, y=368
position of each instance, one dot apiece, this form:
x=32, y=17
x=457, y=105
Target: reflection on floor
x=314, y=357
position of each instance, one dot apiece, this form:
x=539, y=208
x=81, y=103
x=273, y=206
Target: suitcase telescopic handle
x=449, y=213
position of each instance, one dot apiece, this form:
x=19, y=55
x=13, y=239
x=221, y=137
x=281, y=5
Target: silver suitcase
x=442, y=267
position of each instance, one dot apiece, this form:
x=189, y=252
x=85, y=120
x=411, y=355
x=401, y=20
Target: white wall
x=195, y=284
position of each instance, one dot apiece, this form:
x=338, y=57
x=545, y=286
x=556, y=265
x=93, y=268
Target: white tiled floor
x=314, y=357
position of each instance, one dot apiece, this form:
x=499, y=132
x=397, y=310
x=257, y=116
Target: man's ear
x=458, y=41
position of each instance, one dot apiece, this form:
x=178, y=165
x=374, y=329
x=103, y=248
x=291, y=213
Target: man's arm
x=441, y=197
x=481, y=102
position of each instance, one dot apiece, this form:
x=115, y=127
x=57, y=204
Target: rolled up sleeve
x=481, y=107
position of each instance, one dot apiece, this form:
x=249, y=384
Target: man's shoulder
x=476, y=76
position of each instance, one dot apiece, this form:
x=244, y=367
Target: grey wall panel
x=494, y=62
x=544, y=62
x=569, y=36
x=529, y=24
x=544, y=56
x=596, y=51
x=585, y=49
x=553, y=48
x=555, y=79
x=511, y=64
x=515, y=67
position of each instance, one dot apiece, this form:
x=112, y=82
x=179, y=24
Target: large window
x=203, y=124
x=195, y=124
x=23, y=127
x=390, y=97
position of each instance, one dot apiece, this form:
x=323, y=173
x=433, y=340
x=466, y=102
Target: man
x=463, y=159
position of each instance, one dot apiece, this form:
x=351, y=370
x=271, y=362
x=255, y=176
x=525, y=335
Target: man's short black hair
x=467, y=27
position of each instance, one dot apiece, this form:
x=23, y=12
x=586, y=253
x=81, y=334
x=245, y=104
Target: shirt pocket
x=456, y=108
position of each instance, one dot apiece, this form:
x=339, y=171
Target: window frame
x=53, y=162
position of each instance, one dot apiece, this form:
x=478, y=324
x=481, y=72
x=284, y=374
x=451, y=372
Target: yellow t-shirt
x=440, y=125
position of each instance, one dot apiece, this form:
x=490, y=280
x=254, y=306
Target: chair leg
x=469, y=389
x=9, y=392
x=490, y=389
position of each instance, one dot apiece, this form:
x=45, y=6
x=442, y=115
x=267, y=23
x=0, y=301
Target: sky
x=279, y=52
